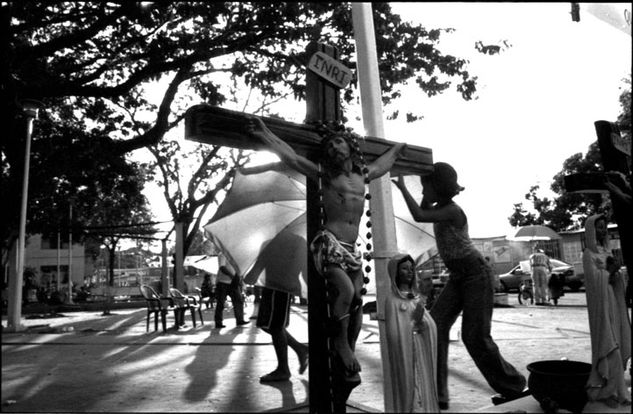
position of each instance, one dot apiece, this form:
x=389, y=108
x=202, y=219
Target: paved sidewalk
x=110, y=363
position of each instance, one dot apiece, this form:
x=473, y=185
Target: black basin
x=559, y=384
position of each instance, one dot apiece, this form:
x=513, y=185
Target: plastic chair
x=184, y=303
x=157, y=306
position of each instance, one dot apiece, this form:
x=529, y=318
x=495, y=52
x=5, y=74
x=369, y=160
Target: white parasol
x=260, y=227
x=534, y=233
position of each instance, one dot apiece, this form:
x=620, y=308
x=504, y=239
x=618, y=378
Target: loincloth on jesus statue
x=327, y=250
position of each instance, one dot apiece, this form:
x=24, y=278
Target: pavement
x=87, y=362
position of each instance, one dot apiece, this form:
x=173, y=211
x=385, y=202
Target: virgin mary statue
x=411, y=342
x=609, y=322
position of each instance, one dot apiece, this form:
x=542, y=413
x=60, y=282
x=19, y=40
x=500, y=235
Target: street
x=109, y=363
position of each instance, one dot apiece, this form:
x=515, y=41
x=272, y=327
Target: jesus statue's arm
x=285, y=152
x=383, y=164
x=275, y=166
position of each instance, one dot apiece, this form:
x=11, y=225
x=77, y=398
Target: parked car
x=511, y=280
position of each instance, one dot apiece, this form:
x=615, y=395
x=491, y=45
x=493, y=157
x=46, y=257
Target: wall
x=43, y=260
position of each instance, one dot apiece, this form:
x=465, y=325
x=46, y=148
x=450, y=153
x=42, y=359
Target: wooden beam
x=218, y=126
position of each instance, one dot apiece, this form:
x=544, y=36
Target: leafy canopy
x=94, y=64
x=568, y=211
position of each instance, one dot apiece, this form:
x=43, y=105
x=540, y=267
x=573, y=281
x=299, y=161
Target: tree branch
x=161, y=126
x=73, y=38
x=195, y=180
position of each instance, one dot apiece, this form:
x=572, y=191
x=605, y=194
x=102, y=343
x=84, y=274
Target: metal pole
x=59, y=261
x=179, y=273
x=383, y=224
x=14, y=311
x=164, y=270
x=70, y=254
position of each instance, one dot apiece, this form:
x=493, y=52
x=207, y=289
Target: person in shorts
x=273, y=317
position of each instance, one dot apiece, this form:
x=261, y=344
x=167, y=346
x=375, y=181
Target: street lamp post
x=70, y=254
x=14, y=311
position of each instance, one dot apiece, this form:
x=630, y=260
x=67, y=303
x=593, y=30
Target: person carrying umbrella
x=342, y=178
x=541, y=267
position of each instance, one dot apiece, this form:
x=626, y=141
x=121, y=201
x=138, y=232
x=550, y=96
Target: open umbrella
x=535, y=232
x=206, y=263
x=261, y=228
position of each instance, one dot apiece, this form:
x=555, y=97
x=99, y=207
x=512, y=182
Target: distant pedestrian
x=556, y=287
x=469, y=289
x=541, y=268
x=229, y=284
x=207, y=290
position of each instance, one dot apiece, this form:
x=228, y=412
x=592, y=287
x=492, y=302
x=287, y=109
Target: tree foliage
x=94, y=64
x=189, y=195
x=568, y=211
x=79, y=188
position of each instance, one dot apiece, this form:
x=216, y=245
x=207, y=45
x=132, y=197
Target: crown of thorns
x=334, y=129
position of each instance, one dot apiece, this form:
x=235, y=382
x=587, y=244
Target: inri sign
x=330, y=69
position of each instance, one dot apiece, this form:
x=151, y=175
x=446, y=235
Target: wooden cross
x=615, y=153
x=218, y=126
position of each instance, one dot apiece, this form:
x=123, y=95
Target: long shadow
x=40, y=376
x=282, y=265
x=204, y=374
x=288, y=400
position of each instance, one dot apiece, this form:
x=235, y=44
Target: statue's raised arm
x=383, y=164
x=259, y=130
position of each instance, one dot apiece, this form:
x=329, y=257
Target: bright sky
x=537, y=102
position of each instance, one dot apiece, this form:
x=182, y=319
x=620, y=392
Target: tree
x=568, y=211
x=78, y=185
x=190, y=195
x=92, y=64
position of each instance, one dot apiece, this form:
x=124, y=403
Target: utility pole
x=14, y=311
x=384, y=229
x=70, y=253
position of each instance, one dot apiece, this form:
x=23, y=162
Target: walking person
x=229, y=284
x=541, y=268
x=609, y=322
x=556, y=287
x=469, y=289
x=274, y=317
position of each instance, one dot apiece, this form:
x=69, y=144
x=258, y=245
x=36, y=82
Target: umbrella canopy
x=535, y=232
x=206, y=263
x=261, y=228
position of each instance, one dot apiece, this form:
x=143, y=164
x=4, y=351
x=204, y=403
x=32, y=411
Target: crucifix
x=219, y=126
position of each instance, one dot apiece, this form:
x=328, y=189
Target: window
x=49, y=273
x=51, y=243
